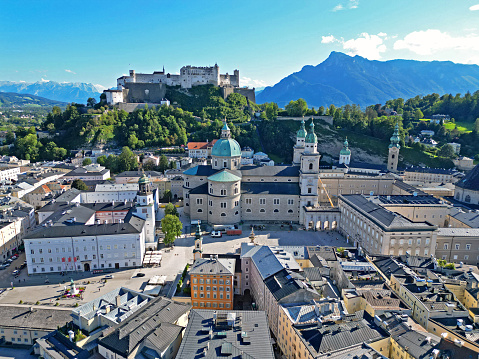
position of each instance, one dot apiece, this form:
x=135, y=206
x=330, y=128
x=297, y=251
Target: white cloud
x=328, y=39
x=368, y=46
x=432, y=40
x=474, y=7
x=43, y=80
x=70, y=71
x=351, y=4
x=247, y=81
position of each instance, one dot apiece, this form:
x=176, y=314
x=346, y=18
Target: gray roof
x=139, y=174
x=60, y=347
x=264, y=259
x=131, y=225
x=68, y=195
x=226, y=341
x=331, y=336
x=471, y=180
x=387, y=220
x=285, y=188
x=153, y=325
x=80, y=171
x=129, y=301
x=359, y=351
x=446, y=171
x=409, y=199
x=417, y=344
x=282, y=284
x=469, y=218
x=200, y=170
x=458, y=232
x=213, y=266
x=408, y=188
x=33, y=318
x=265, y=171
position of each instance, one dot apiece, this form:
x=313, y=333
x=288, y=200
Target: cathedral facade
x=226, y=192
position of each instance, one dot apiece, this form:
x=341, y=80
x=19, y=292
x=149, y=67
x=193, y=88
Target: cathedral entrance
x=86, y=267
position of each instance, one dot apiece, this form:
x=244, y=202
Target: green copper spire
x=302, y=131
x=198, y=231
x=345, y=151
x=395, y=139
x=311, y=136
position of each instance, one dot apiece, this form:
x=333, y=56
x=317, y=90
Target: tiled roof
x=224, y=176
x=270, y=188
x=283, y=284
x=471, y=180
x=265, y=171
x=36, y=318
x=153, y=325
x=226, y=341
x=213, y=266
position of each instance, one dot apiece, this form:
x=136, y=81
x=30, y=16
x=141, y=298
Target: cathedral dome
x=302, y=131
x=226, y=147
x=143, y=179
x=311, y=136
x=345, y=150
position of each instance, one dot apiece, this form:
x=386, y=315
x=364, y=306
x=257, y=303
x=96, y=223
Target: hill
x=342, y=79
x=65, y=92
x=11, y=99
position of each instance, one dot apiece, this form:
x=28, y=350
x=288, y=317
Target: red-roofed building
x=200, y=149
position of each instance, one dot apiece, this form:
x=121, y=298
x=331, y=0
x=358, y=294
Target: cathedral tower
x=345, y=153
x=299, y=146
x=145, y=207
x=198, y=250
x=309, y=173
x=394, y=147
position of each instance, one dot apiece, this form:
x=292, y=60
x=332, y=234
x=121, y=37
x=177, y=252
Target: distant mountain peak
x=78, y=92
x=342, y=79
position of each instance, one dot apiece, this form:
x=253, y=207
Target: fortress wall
x=145, y=92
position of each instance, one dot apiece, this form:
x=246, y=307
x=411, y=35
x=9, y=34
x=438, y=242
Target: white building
x=111, y=192
x=8, y=174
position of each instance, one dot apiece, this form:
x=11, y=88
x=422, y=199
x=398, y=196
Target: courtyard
x=46, y=289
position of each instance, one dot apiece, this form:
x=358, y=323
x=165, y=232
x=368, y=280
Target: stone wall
x=145, y=92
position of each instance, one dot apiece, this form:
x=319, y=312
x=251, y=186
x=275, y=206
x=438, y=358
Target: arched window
x=223, y=214
x=310, y=166
x=200, y=210
x=290, y=211
x=211, y=212
x=276, y=210
x=262, y=210
x=468, y=199
x=248, y=210
x=392, y=156
x=236, y=213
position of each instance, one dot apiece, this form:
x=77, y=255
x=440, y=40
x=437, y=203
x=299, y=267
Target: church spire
x=225, y=131
x=302, y=130
x=311, y=136
x=395, y=139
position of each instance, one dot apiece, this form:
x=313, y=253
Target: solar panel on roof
x=226, y=348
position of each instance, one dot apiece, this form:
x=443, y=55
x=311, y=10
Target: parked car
x=15, y=256
x=109, y=276
x=140, y=274
x=7, y=264
x=15, y=272
x=216, y=234
x=9, y=260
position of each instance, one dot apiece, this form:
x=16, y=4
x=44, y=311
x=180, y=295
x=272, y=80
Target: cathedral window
x=223, y=204
x=275, y=200
x=309, y=190
x=248, y=200
x=262, y=210
x=248, y=210
x=211, y=190
x=236, y=213
x=276, y=210
x=200, y=210
x=468, y=198
x=290, y=211
x=310, y=166
x=290, y=201
x=225, y=164
x=199, y=201
x=262, y=201
x=223, y=192
x=223, y=214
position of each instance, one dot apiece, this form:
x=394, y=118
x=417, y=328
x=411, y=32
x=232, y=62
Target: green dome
x=345, y=150
x=226, y=147
x=311, y=136
x=143, y=179
x=302, y=131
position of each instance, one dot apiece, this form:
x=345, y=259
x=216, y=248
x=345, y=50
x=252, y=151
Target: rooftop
x=233, y=334
x=213, y=266
x=33, y=317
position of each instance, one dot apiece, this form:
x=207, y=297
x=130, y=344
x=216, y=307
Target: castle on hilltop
x=151, y=88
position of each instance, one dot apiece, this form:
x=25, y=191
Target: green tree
x=86, y=162
x=127, y=160
x=418, y=114
x=91, y=102
x=132, y=141
x=9, y=138
x=101, y=160
x=164, y=163
x=80, y=185
x=296, y=108
x=171, y=209
x=476, y=127
x=447, y=151
x=171, y=226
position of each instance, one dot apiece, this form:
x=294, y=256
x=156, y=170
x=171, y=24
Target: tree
x=80, y=185
x=296, y=108
x=91, y=102
x=476, y=127
x=127, y=160
x=101, y=160
x=418, y=114
x=446, y=151
x=86, y=162
x=170, y=208
x=163, y=163
x=171, y=226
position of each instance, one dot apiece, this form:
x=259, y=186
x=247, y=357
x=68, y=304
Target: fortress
x=151, y=88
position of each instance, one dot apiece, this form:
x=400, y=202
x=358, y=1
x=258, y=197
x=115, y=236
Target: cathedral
x=226, y=192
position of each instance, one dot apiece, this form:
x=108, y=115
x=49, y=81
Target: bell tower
x=198, y=250
x=299, y=146
x=394, y=148
x=345, y=153
x=145, y=207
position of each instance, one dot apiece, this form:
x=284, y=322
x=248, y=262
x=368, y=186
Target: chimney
x=118, y=300
x=107, y=309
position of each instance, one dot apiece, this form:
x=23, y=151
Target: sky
x=99, y=41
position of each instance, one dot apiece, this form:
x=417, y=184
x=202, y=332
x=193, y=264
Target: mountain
x=342, y=79
x=65, y=92
x=10, y=99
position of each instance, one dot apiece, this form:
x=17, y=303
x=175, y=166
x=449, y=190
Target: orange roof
x=197, y=145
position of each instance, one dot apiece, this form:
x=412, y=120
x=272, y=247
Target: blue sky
x=98, y=41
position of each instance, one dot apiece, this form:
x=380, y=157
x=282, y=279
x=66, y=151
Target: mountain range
x=78, y=92
x=343, y=79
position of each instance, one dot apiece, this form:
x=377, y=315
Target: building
x=23, y=325
x=111, y=192
x=394, y=147
x=212, y=283
x=200, y=149
x=9, y=174
x=83, y=174
x=380, y=231
x=153, y=331
x=456, y=147
x=111, y=308
x=458, y=245
x=226, y=192
x=464, y=163
x=345, y=154
x=431, y=175
x=226, y=334
x=27, y=184
x=467, y=189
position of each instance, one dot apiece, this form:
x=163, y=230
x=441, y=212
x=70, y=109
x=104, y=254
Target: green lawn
x=461, y=126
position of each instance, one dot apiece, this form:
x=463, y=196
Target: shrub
x=37, y=302
x=20, y=302
x=76, y=305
